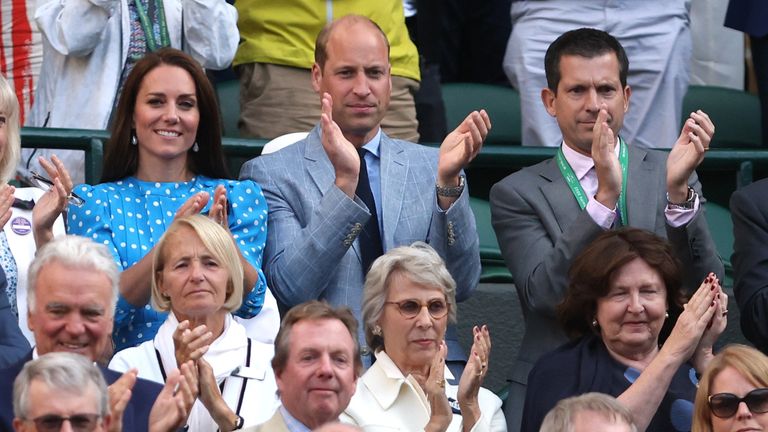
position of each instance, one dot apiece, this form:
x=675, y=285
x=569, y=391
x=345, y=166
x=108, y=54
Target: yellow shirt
x=283, y=31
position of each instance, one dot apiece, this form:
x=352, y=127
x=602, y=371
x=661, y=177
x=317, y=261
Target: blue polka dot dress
x=130, y=216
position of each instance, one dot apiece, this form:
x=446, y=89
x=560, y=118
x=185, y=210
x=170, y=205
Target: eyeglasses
x=411, y=308
x=45, y=184
x=725, y=405
x=79, y=422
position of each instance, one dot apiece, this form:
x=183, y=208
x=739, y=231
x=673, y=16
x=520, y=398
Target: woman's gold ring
x=441, y=383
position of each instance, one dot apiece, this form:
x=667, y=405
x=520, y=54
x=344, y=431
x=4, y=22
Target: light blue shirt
x=373, y=163
x=291, y=422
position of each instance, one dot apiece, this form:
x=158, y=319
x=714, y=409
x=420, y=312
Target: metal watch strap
x=451, y=191
x=688, y=203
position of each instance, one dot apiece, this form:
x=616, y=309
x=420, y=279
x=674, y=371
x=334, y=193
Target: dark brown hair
x=584, y=42
x=121, y=159
x=311, y=311
x=592, y=271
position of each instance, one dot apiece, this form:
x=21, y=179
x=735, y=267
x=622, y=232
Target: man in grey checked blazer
x=315, y=216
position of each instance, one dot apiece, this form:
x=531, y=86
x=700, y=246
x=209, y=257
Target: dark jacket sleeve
x=13, y=344
x=750, y=260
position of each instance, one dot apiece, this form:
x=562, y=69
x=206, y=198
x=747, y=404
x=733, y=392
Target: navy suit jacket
x=135, y=417
x=748, y=16
x=13, y=344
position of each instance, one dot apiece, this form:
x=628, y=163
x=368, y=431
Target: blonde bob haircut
x=747, y=361
x=417, y=262
x=9, y=106
x=219, y=243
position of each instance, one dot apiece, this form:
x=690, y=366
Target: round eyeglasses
x=411, y=308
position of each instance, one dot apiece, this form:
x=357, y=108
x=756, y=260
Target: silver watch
x=451, y=191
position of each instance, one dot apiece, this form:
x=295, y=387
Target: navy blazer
x=135, y=417
x=13, y=344
x=748, y=16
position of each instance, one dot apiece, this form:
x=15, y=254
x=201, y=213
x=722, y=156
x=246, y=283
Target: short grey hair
x=78, y=252
x=66, y=372
x=561, y=417
x=420, y=264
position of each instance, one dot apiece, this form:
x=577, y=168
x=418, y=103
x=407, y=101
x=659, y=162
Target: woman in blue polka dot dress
x=165, y=160
x=624, y=293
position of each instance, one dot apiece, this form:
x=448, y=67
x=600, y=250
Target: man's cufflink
x=451, y=191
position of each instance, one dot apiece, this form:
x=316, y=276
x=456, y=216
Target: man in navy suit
x=347, y=193
x=72, y=293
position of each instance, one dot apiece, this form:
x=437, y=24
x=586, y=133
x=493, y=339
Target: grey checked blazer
x=312, y=251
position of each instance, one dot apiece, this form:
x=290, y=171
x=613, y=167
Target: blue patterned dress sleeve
x=92, y=220
x=248, y=224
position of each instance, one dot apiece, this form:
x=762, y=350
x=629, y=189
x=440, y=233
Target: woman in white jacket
x=408, y=299
x=18, y=225
x=199, y=279
x=89, y=46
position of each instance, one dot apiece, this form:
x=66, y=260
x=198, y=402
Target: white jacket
x=85, y=45
x=21, y=241
x=387, y=400
x=253, y=388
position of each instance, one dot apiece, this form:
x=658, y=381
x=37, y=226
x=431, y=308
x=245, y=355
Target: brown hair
x=592, y=271
x=309, y=311
x=321, y=42
x=121, y=159
x=747, y=361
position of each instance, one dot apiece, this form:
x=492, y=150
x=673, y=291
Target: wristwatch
x=451, y=191
x=690, y=200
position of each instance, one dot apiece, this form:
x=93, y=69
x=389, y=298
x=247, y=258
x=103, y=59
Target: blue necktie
x=370, y=237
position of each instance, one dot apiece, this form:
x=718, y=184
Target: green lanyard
x=578, y=191
x=147, y=27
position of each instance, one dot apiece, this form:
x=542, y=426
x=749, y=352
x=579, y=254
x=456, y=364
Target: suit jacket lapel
x=561, y=201
x=393, y=175
x=642, y=191
x=319, y=166
x=321, y=170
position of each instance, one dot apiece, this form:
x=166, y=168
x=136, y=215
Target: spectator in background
x=733, y=392
x=409, y=299
x=21, y=51
x=26, y=214
x=316, y=348
x=348, y=192
x=59, y=387
x=165, y=160
x=73, y=290
x=87, y=55
x=751, y=17
x=590, y=412
x=655, y=34
x=275, y=57
x=198, y=279
x=749, y=211
x=547, y=214
x=632, y=338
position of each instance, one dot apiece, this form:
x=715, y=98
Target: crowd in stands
x=319, y=290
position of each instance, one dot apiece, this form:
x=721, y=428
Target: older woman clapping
x=733, y=393
x=408, y=300
x=199, y=279
x=624, y=287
